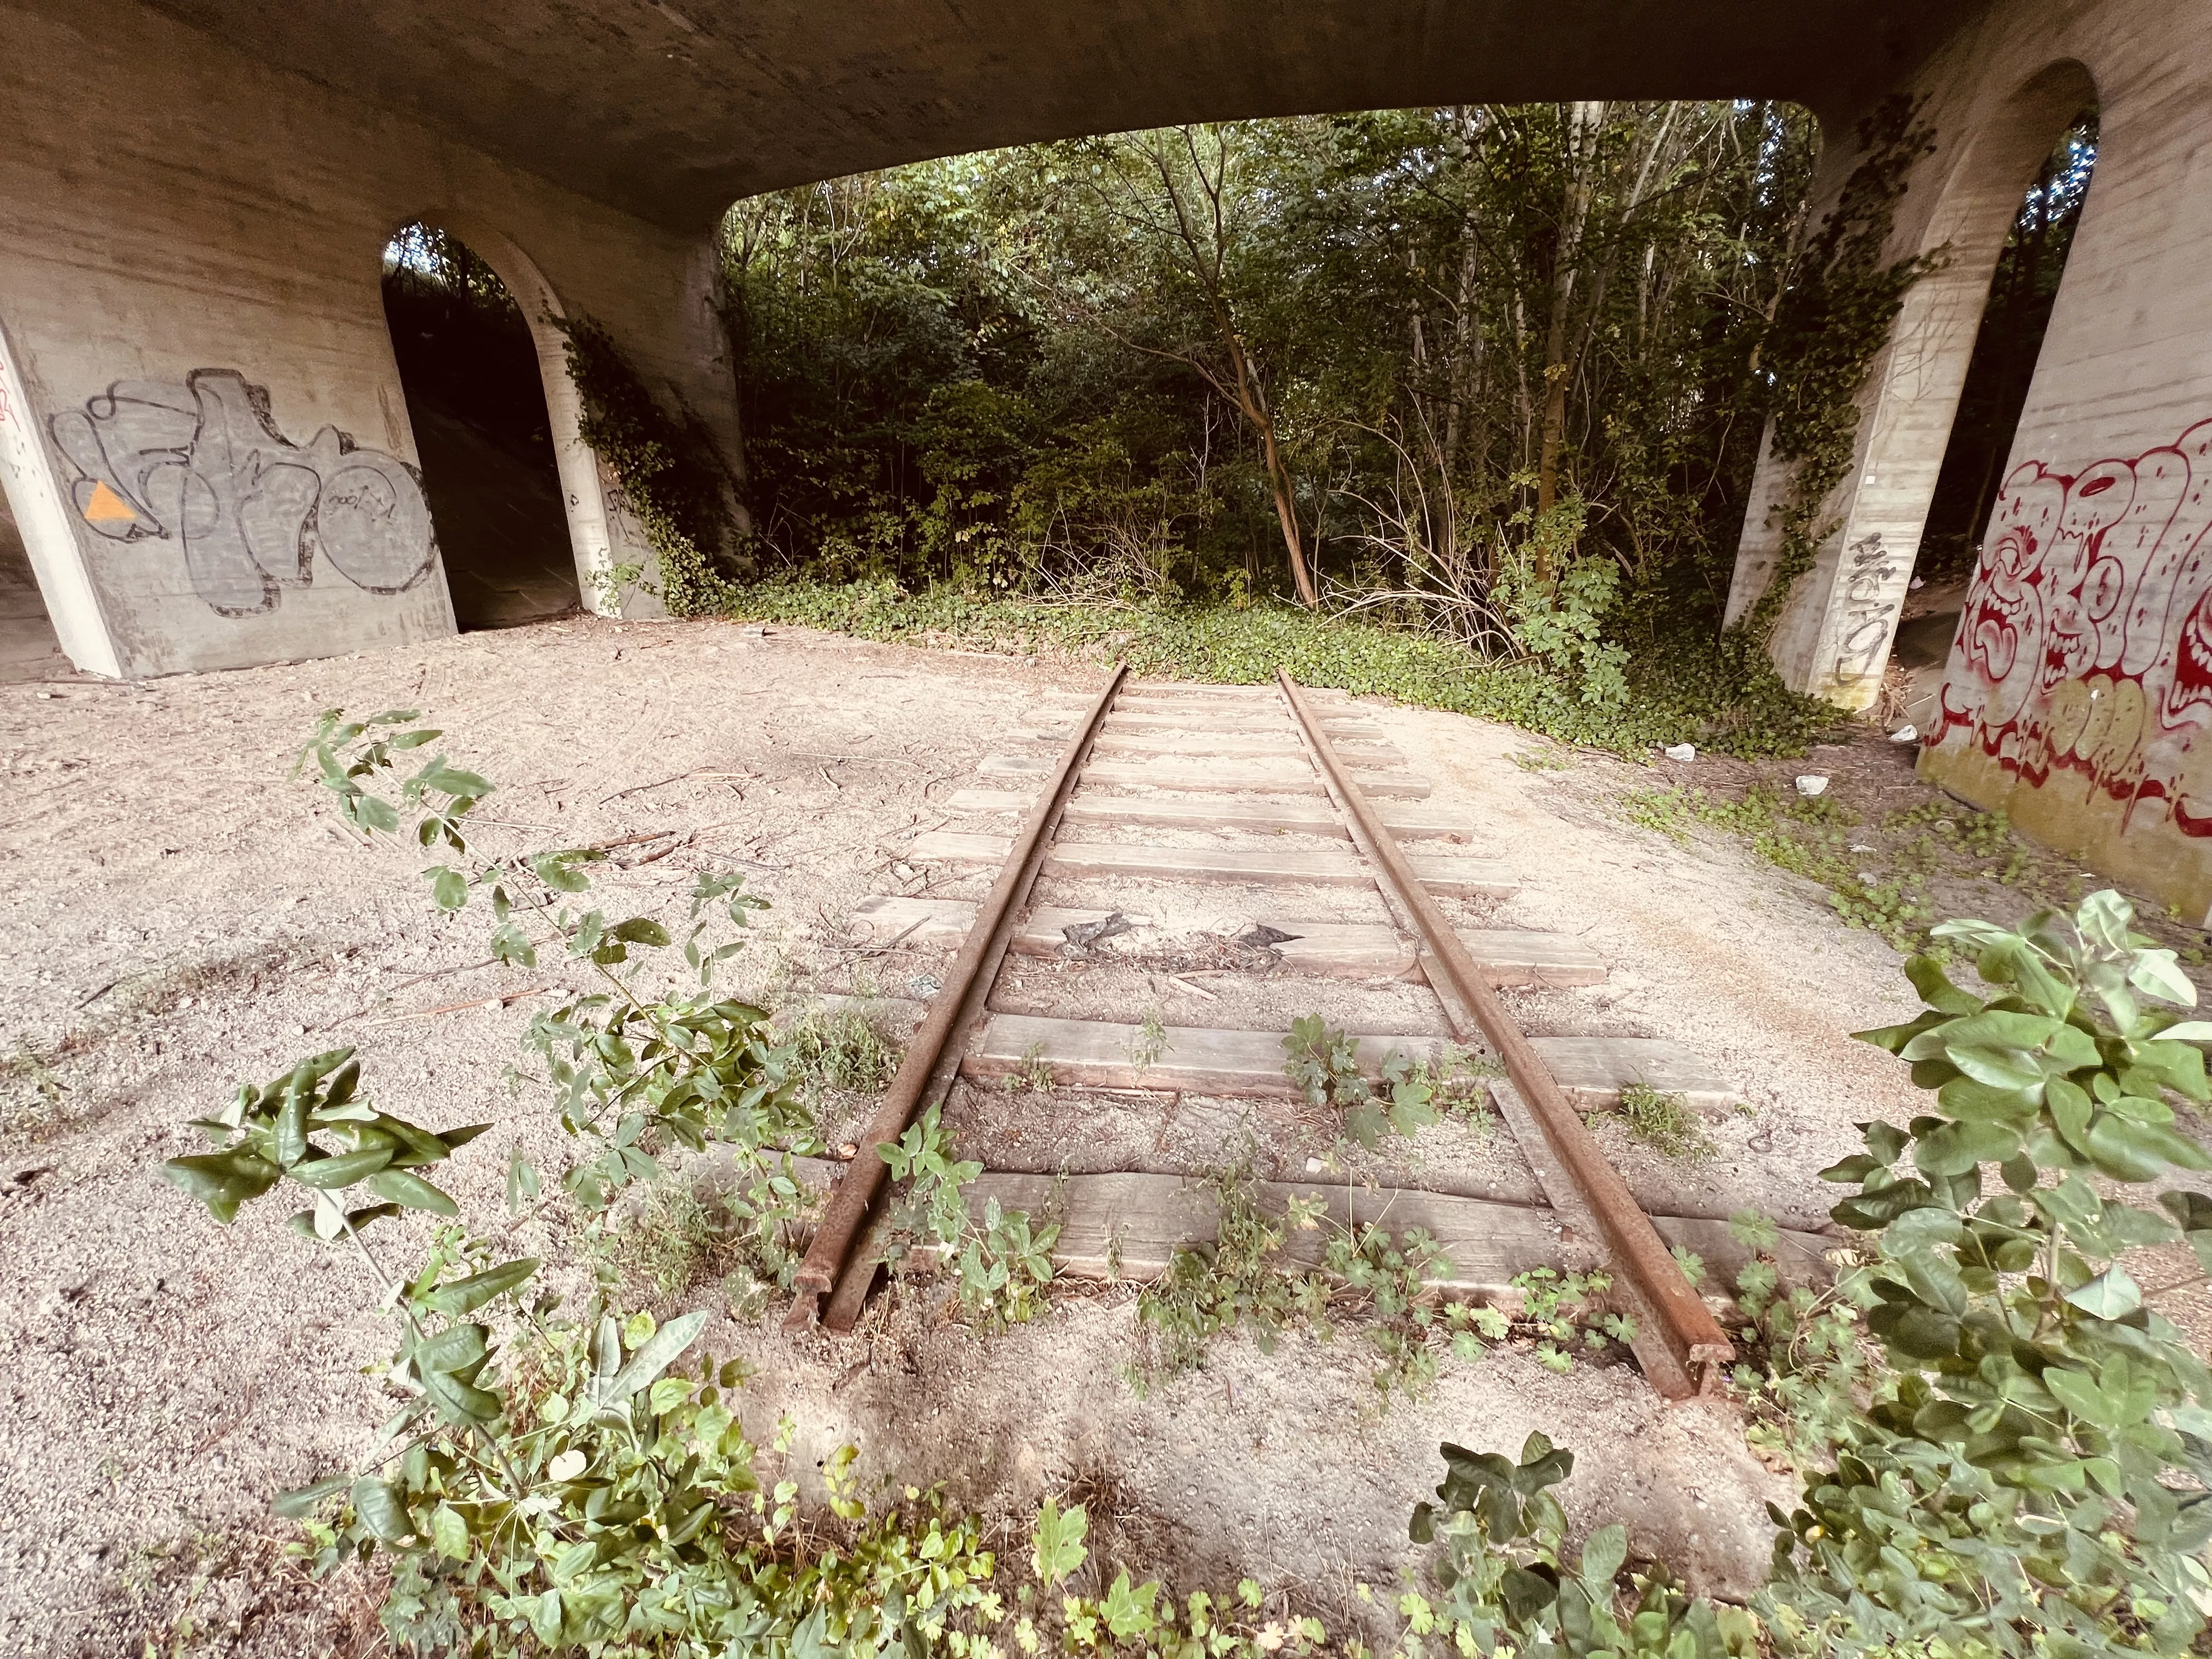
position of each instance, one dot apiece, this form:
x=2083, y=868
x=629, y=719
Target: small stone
x=1812, y=784
x=1680, y=751
x=1314, y=1166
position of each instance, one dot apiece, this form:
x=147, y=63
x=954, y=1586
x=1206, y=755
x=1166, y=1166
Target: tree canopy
x=1492, y=371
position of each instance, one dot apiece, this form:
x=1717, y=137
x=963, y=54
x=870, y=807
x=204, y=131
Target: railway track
x=1281, y=805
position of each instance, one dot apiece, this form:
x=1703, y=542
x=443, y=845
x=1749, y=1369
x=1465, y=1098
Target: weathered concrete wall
x=202, y=428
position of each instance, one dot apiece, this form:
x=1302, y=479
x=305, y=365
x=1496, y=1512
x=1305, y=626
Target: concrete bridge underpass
x=207, y=451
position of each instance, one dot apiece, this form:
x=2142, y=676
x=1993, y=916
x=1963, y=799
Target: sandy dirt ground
x=180, y=916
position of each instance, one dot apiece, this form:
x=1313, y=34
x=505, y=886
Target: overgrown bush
x=2035, y=1470
x=1495, y=374
x=2026, y=1468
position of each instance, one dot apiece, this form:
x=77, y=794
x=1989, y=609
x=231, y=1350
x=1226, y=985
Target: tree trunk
x=1254, y=401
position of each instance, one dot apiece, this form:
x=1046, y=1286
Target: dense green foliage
x=1489, y=375
x=2015, y=1458
x=1828, y=328
x=1067, y=363
x=2034, y=1467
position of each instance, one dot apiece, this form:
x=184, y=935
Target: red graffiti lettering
x=2085, y=644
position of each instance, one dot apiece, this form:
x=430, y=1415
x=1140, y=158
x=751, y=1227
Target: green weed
x=1665, y=1122
x=675, y=1237
x=1149, y=1044
x=1325, y=1065
x=1563, y=1314
x=1370, y=1281
x=841, y=1047
x=1033, y=1073
x=1000, y=1269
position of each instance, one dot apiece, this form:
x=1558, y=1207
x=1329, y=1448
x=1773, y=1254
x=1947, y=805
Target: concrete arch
x=584, y=494
x=1933, y=341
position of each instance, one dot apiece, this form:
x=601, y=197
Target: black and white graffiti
x=201, y=464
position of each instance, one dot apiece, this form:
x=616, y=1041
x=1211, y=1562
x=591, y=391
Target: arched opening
x=2005, y=350
x=2007, y=344
x=469, y=365
x=29, y=648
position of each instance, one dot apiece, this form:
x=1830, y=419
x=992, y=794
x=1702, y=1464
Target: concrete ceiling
x=672, y=109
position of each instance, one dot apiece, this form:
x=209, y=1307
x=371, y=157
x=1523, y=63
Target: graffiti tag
x=1868, y=613
x=2085, y=643
x=201, y=465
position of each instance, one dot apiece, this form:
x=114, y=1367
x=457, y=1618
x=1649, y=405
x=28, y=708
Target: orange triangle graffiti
x=106, y=507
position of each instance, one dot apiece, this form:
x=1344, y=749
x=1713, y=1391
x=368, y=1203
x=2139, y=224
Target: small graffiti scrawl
x=2085, y=645
x=201, y=463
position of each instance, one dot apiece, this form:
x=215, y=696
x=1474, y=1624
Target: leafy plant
x=631, y=1071
x=1149, y=1044
x=841, y=1049
x=1805, y=1364
x=1033, y=1073
x=1325, y=1063
x=584, y=1494
x=1564, y=1314
x=1386, y=1281
x=1559, y=618
x=1369, y=1281
x=1506, y=1589
x=746, y=1232
x=2032, y=1470
x=1235, y=1282
x=1146, y=1618
x=1002, y=1267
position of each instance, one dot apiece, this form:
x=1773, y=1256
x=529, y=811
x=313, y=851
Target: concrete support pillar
x=204, y=439
x=43, y=517
x=1833, y=637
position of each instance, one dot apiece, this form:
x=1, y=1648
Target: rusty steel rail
x=933, y=1057
x=1690, y=1337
